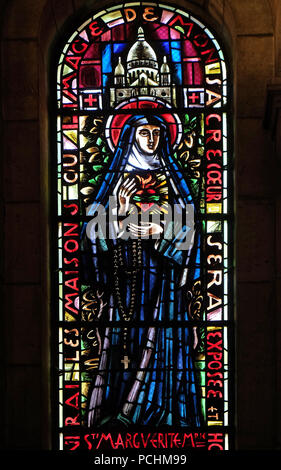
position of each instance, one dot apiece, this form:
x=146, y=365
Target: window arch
x=143, y=289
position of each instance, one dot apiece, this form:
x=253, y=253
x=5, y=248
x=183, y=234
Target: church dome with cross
x=139, y=74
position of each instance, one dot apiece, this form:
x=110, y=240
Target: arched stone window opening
x=143, y=285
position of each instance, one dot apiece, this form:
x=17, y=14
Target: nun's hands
x=126, y=191
x=146, y=229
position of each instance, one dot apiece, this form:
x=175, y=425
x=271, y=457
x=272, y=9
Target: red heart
x=146, y=206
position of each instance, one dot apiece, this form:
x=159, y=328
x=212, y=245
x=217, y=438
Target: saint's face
x=147, y=137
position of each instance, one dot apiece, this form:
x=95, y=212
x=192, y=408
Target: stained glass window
x=143, y=281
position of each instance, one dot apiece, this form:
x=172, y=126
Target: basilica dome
x=142, y=62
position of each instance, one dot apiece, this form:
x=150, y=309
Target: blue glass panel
x=166, y=46
x=119, y=47
x=106, y=59
x=176, y=54
x=178, y=72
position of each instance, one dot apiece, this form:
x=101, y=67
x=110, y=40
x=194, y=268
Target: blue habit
x=146, y=369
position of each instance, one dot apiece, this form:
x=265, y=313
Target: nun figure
x=145, y=263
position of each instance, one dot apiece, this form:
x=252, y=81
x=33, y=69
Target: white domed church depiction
x=141, y=75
